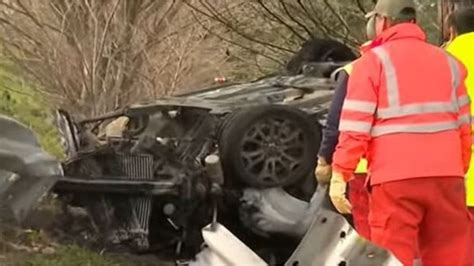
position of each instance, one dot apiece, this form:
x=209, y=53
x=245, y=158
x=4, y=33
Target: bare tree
x=272, y=31
x=269, y=32
x=93, y=56
x=445, y=8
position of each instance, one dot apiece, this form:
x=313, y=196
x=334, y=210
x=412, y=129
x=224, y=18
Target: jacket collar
x=365, y=47
x=398, y=32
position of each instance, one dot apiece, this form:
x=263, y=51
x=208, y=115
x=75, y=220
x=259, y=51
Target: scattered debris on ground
x=53, y=239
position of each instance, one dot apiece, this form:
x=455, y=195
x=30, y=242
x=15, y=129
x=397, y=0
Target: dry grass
x=36, y=251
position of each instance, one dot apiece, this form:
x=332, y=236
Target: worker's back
x=416, y=95
x=407, y=109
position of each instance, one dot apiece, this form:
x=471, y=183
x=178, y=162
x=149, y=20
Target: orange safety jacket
x=406, y=109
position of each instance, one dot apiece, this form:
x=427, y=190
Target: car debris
x=158, y=160
x=341, y=246
x=27, y=173
x=223, y=248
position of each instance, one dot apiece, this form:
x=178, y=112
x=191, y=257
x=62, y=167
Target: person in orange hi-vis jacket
x=407, y=111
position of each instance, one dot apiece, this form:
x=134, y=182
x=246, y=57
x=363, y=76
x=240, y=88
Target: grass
x=18, y=100
x=78, y=256
x=64, y=256
x=71, y=256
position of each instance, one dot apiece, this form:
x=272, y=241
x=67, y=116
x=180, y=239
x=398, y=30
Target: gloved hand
x=337, y=193
x=323, y=171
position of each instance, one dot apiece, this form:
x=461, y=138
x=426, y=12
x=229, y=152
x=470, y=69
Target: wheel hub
x=272, y=150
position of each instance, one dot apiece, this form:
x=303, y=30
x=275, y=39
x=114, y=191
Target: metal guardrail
x=27, y=173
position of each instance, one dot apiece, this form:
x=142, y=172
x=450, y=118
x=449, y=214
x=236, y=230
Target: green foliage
x=19, y=101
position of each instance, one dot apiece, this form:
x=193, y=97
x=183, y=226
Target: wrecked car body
x=154, y=174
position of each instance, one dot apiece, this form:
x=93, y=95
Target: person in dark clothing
x=358, y=195
x=331, y=131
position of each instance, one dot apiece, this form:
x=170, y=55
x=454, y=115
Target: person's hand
x=337, y=193
x=323, y=171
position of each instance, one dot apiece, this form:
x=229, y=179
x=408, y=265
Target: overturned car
x=152, y=175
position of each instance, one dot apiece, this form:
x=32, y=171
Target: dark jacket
x=331, y=131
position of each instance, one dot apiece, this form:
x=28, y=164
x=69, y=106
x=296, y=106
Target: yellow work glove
x=337, y=193
x=323, y=171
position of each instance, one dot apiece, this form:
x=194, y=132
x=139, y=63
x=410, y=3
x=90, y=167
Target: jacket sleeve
x=331, y=131
x=464, y=117
x=357, y=115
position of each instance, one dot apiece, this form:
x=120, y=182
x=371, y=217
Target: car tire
x=269, y=145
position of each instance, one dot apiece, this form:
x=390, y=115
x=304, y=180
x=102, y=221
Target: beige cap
x=391, y=8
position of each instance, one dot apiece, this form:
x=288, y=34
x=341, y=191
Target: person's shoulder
x=452, y=52
x=367, y=60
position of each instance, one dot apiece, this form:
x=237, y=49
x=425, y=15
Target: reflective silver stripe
x=390, y=77
x=420, y=128
x=359, y=106
x=463, y=101
x=356, y=126
x=455, y=72
x=395, y=110
x=423, y=108
x=465, y=119
x=455, y=77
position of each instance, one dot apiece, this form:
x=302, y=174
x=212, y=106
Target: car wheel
x=270, y=145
